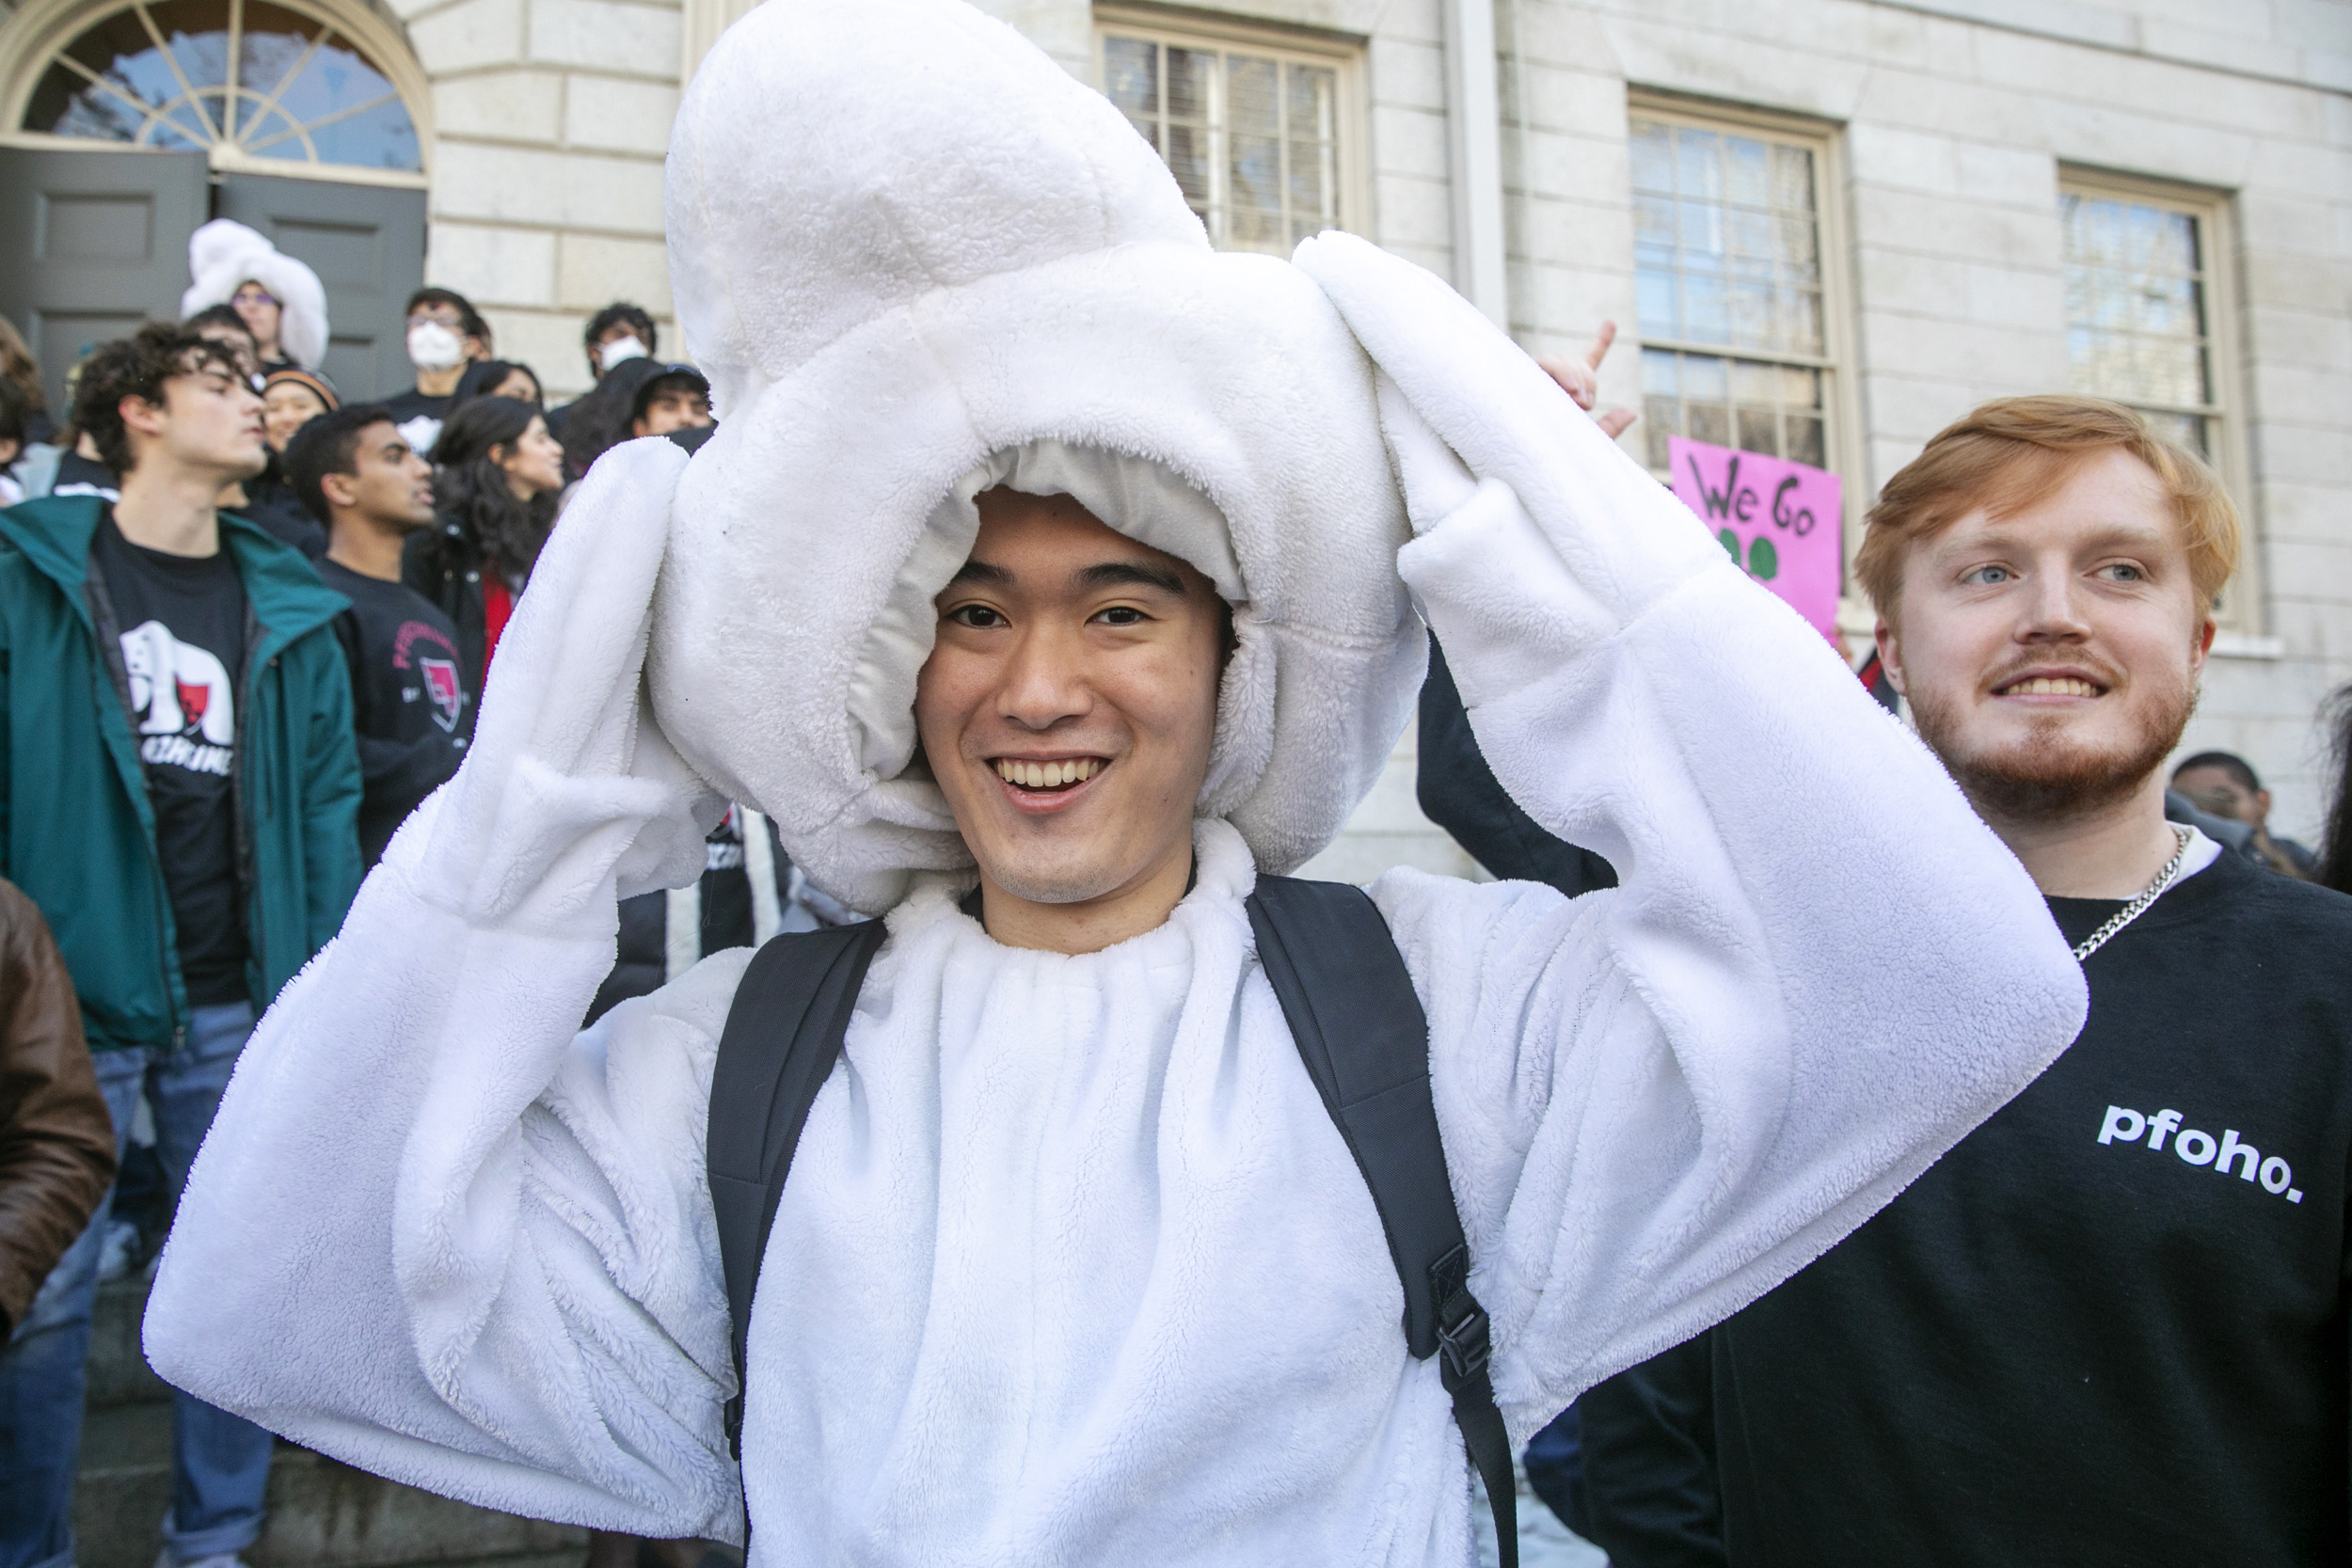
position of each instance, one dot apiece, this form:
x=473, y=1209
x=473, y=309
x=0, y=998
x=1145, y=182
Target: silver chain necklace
x=2138, y=906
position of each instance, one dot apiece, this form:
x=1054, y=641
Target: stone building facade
x=1824, y=228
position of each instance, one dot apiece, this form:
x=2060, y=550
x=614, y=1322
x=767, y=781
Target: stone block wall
x=552, y=117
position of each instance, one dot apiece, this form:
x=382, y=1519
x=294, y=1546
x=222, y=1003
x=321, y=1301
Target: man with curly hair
x=178, y=796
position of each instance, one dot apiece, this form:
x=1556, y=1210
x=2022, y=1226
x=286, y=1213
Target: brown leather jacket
x=56, y=1141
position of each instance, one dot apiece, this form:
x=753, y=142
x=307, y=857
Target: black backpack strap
x=783, y=1034
x=1360, y=1030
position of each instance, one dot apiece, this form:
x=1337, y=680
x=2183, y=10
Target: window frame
x=39, y=31
x=2225, y=412
x=1338, y=52
x=1843, y=439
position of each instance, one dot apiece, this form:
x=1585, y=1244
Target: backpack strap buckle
x=1465, y=1340
x=1465, y=1344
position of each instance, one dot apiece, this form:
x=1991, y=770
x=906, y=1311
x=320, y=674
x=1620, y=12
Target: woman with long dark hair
x=499, y=474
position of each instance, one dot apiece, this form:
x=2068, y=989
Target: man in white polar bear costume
x=1073, y=1265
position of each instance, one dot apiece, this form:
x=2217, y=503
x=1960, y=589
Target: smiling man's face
x=2050, y=656
x=1068, y=705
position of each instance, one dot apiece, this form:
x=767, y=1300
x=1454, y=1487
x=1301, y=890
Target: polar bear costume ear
x=223, y=254
x=916, y=258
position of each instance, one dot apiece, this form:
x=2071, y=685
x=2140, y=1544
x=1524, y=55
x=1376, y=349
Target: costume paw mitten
x=571, y=797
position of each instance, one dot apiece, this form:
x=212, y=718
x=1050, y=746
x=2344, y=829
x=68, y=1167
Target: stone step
x=322, y=1514
x=118, y=1373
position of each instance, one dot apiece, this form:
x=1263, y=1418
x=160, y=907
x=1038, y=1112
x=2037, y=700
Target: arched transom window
x=246, y=76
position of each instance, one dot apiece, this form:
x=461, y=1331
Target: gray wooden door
x=367, y=245
x=91, y=245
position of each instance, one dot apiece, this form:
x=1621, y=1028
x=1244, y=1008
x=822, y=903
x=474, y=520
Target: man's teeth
x=1046, y=775
x=2063, y=686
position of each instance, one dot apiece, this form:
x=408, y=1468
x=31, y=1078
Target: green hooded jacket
x=76, y=830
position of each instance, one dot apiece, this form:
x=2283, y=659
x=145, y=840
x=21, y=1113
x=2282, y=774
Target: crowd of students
x=290, y=605
x=248, y=630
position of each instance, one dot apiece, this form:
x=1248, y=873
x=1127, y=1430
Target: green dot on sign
x=1763, y=561
x=1730, y=541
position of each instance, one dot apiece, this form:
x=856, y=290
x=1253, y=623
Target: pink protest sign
x=1779, y=519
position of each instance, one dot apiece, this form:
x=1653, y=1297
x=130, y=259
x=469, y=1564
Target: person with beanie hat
x=1057, y=584
x=291, y=398
x=279, y=298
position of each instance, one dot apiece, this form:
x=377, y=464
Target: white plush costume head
x=916, y=259
x=224, y=255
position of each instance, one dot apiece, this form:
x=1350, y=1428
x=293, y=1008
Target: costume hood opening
x=223, y=255
x=917, y=259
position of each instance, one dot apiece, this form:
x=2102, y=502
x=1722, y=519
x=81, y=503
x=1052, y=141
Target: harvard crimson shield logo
x=440, y=684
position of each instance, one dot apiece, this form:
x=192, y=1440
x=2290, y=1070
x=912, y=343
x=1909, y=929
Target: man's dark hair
x=138, y=367
x=14, y=406
x=470, y=324
x=222, y=315
x=601, y=419
x=673, y=378
x=2240, y=770
x=620, y=312
x=328, y=444
x=483, y=375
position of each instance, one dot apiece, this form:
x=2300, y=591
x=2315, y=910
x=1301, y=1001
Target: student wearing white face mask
x=615, y=335
x=445, y=335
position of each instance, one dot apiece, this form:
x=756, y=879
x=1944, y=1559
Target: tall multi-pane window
x=2147, y=323
x=1736, y=318
x=2140, y=308
x=1255, y=134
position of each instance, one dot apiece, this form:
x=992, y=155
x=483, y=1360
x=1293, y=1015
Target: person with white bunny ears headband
x=1016, y=473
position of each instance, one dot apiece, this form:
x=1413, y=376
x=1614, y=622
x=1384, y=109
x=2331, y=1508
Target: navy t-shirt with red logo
x=409, y=703
x=182, y=625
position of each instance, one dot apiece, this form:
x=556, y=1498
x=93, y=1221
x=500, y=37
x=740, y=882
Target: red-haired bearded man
x=2109, y=1327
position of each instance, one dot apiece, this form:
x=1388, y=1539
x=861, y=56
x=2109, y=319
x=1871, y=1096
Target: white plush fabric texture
x=223, y=254
x=1074, y=1267
x=931, y=246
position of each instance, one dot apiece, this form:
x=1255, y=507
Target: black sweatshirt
x=412, y=703
x=2108, y=1328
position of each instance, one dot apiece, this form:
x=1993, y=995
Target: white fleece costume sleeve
x=436, y=1236
x=1661, y=1099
